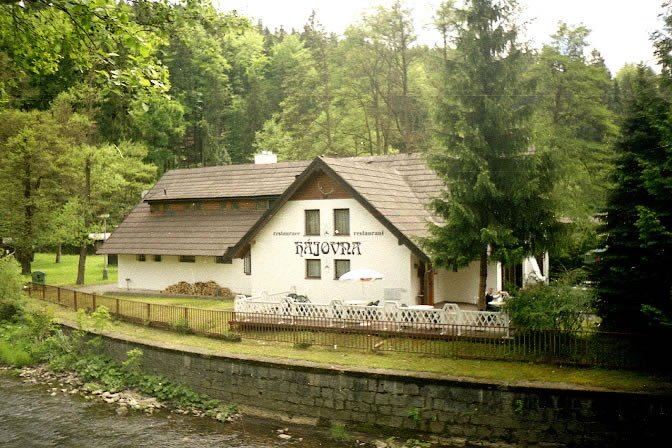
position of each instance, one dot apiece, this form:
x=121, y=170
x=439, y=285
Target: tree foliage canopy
x=635, y=284
x=109, y=88
x=497, y=182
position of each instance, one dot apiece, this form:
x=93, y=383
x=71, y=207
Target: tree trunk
x=24, y=254
x=59, y=252
x=23, y=257
x=483, y=281
x=81, y=267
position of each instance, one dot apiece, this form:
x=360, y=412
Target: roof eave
x=211, y=198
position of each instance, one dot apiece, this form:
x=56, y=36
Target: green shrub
x=182, y=326
x=11, y=287
x=10, y=311
x=549, y=307
x=133, y=363
x=101, y=318
x=13, y=355
x=339, y=433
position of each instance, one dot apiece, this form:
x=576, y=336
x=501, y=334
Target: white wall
x=154, y=275
x=462, y=286
x=276, y=265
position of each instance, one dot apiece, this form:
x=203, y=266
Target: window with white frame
x=187, y=258
x=312, y=222
x=314, y=268
x=140, y=258
x=342, y=221
x=340, y=268
x=157, y=258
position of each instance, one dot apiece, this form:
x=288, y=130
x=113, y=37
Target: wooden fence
x=586, y=348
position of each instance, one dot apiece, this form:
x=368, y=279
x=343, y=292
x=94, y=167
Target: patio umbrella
x=362, y=275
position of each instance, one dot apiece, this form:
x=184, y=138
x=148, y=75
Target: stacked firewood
x=198, y=289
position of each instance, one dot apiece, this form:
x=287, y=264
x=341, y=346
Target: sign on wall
x=317, y=248
x=336, y=248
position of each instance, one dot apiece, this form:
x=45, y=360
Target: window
x=340, y=268
x=247, y=264
x=222, y=260
x=263, y=204
x=140, y=258
x=313, y=268
x=157, y=258
x=187, y=259
x=342, y=221
x=312, y=222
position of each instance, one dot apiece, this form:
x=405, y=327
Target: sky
x=621, y=29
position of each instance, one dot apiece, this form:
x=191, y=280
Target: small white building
x=273, y=226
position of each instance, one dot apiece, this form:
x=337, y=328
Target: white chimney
x=265, y=157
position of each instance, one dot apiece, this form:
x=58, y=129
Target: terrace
x=289, y=309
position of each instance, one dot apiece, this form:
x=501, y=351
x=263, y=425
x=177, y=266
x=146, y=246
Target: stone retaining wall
x=366, y=399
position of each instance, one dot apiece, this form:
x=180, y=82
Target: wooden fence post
x=93, y=299
x=44, y=292
x=117, y=306
x=149, y=312
x=58, y=295
x=74, y=295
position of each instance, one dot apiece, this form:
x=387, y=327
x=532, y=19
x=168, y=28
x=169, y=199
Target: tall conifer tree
x=496, y=203
x=634, y=273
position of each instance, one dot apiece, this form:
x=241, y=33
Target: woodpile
x=198, y=289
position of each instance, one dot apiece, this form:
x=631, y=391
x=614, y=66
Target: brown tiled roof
x=229, y=181
x=413, y=168
x=398, y=187
x=394, y=186
x=192, y=232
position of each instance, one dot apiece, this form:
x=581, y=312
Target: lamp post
x=104, y=216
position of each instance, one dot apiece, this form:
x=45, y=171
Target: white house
x=269, y=227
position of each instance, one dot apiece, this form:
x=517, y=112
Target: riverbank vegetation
x=30, y=337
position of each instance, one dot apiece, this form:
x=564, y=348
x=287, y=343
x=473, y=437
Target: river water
x=31, y=417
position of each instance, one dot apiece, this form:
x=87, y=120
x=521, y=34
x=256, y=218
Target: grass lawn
x=191, y=302
x=65, y=272
x=500, y=371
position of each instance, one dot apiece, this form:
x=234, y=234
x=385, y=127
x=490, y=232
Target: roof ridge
x=358, y=164
x=237, y=165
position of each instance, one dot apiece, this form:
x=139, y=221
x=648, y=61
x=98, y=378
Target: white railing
x=394, y=315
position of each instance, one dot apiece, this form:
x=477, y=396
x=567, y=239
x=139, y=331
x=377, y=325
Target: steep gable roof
x=380, y=187
x=413, y=168
x=395, y=189
x=388, y=191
